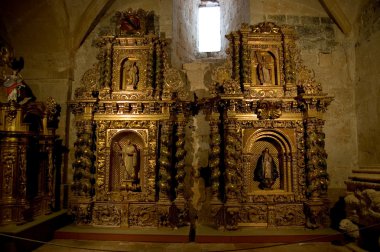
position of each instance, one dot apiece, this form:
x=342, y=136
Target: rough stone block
x=310, y=20
x=293, y=20
x=324, y=59
x=330, y=32
x=279, y=19
x=326, y=20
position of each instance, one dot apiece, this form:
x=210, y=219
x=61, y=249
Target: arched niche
x=129, y=74
x=280, y=148
x=119, y=179
x=264, y=68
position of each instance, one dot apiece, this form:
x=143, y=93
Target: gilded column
x=150, y=71
x=165, y=163
x=84, y=158
x=180, y=157
x=316, y=174
x=214, y=157
x=50, y=178
x=22, y=181
x=105, y=61
x=289, y=62
x=236, y=74
x=83, y=165
x=159, y=60
x=246, y=64
x=108, y=65
x=232, y=162
x=228, y=215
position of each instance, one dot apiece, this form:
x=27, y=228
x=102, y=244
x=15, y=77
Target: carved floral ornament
x=268, y=109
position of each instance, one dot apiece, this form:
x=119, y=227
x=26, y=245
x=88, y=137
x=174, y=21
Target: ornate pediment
x=132, y=63
x=135, y=23
x=265, y=28
x=264, y=62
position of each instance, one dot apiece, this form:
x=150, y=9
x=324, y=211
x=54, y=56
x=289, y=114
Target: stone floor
x=85, y=245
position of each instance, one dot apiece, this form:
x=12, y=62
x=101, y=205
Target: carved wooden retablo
x=130, y=114
x=271, y=154
x=30, y=151
x=267, y=159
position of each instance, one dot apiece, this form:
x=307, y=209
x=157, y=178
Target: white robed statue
x=130, y=160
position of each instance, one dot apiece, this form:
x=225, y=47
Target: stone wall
x=185, y=19
x=367, y=88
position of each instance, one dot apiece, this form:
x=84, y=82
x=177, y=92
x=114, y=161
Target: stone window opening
x=209, y=35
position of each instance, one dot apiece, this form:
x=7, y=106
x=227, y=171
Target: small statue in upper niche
x=264, y=67
x=266, y=171
x=14, y=84
x=130, y=76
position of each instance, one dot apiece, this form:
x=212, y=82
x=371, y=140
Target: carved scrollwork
x=11, y=112
x=268, y=109
x=53, y=111
x=270, y=93
x=8, y=160
x=175, y=83
x=266, y=28
x=89, y=83
x=223, y=84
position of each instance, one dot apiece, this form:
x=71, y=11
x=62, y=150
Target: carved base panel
x=142, y=215
x=275, y=215
x=139, y=215
x=172, y=215
x=81, y=210
x=11, y=214
x=317, y=213
x=41, y=205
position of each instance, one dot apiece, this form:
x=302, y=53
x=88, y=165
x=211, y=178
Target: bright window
x=209, y=39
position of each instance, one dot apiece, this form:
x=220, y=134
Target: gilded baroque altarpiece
x=30, y=149
x=130, y=116
x=267, y=160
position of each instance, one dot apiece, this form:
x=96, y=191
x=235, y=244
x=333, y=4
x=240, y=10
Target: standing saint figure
x=263, y=68
x=266, y=171
x=130, y=76
x=130, y=160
